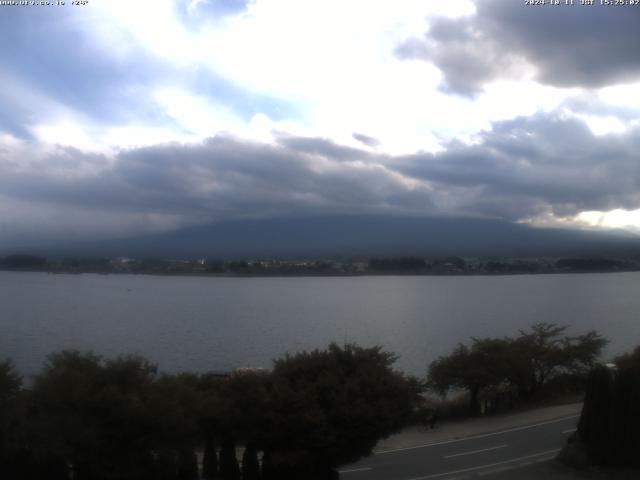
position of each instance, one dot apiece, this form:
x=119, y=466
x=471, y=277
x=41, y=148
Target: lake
x=206, y=323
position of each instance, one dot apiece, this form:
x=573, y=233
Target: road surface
x=479, y=456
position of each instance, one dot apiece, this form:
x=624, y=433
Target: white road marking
x=496, y=470
x=353, y=470
x=476, y=451
x=473, y=437
x=541, y=460
x=571, y=430
x=481, y=467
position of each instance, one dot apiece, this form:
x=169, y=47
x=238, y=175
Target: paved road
x=479, y=456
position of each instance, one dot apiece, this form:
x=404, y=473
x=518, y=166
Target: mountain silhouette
x=358, y=235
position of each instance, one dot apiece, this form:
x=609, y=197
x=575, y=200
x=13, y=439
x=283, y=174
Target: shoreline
x=319, y=275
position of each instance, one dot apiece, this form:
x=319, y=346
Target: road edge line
x=473, y=437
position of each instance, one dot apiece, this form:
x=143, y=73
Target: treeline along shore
x=451, y=265
x=84, y=417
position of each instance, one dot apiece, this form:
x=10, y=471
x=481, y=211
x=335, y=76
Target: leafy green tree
x=233, y=411
x=243, y=398
x=178, y=405
x=525, y=363
x=166, y=465
x=10, y=382
x=487, y=362
x=629, y=361
x=543, y=352
x=10, y=385
x=216, y=417
x=174, y=403
x=18, y=459
x=330, y=407
x=187, y=465
x=95, y=414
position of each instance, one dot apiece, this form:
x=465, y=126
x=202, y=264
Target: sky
x=122, y=118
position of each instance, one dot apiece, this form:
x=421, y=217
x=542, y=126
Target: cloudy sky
x=119, y=118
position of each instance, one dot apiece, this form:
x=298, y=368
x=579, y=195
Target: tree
x=95, y=414
x=486, y=363
x=187, y=465
x=174, y=402
x=397, y=265
x=525, y=363
x=229, y=468
x=543, y=352
x=232, y=410
x=629, y=361
x=19, y=460
x=10, y=384
x=610, y=419
x=328, y=408
x=250, y=463
x=18, y=262
x=209, y=458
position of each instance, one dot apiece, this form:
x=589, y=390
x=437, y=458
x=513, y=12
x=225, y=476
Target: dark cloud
x=592, y=105
x=466, y=56
x=588, y=46
x=531, y=165
x=366, y=140
x=326, y=148
x=220, y=178
x=520, y=169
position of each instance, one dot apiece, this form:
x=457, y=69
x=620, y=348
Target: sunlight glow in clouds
x=618, y=218
x=344, y=74
x=603, y=125
x=196, y=114
x=626, y=95
x=69, y=133
x=153, y=23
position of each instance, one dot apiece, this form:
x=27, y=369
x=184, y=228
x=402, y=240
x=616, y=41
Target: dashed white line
x=482, y=467
x=491, y=471
x=476, y=451
x=571, y=430
x=353, y=470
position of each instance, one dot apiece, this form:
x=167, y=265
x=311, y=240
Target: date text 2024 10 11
x=587, y=3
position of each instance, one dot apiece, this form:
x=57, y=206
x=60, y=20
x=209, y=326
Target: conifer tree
x=229, y=468
x=250, y=464
x=209, y=458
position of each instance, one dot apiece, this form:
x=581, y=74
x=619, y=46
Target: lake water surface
x=205, y=323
